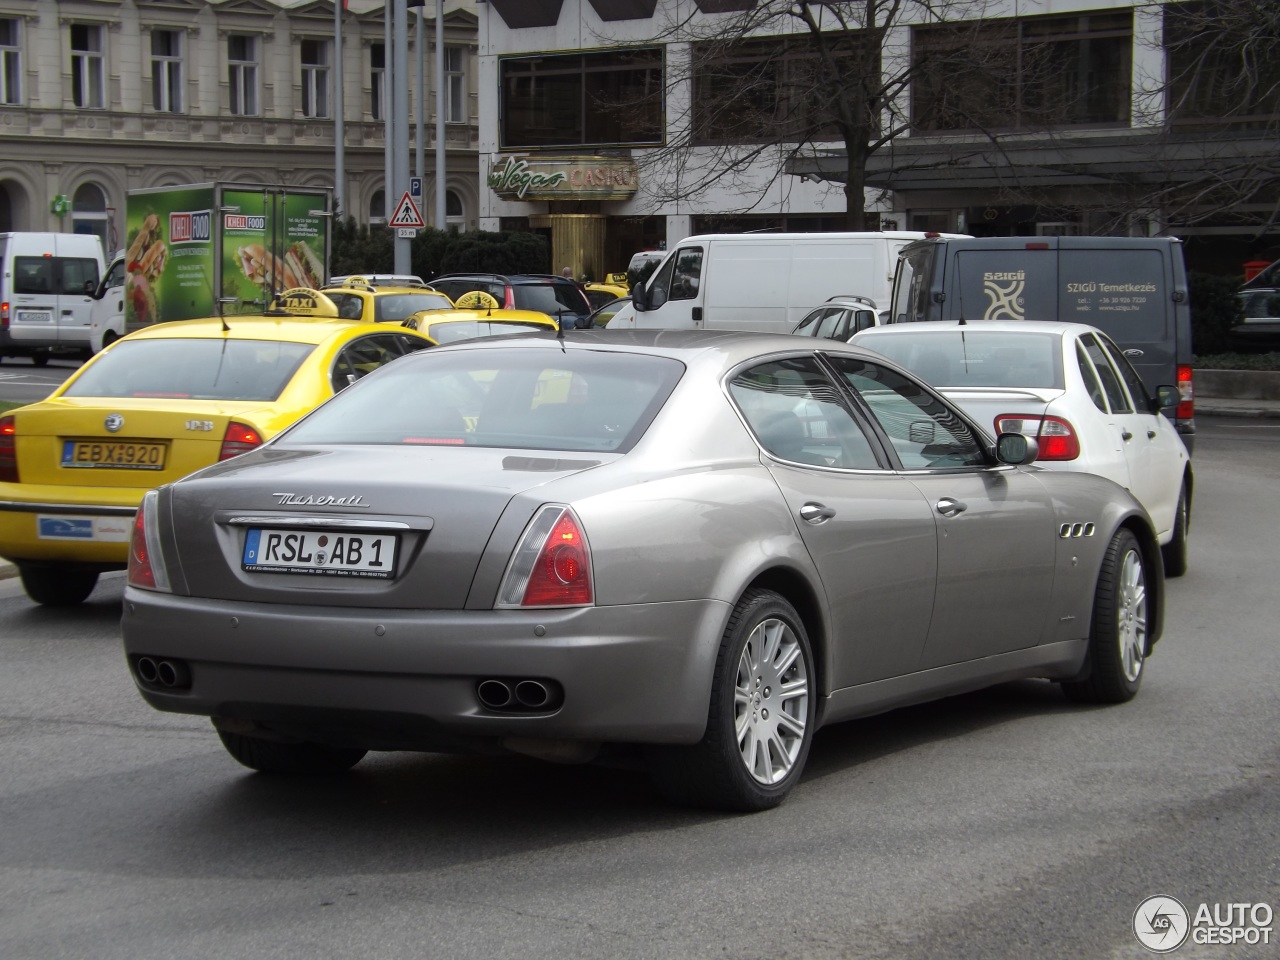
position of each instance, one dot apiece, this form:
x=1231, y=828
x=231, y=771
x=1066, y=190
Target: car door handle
x=1126, y=435
x=1151, y=434
x=816, y=513
x=951, y=508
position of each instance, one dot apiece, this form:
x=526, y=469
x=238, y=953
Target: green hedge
x=360, y=248
x=1215, y=309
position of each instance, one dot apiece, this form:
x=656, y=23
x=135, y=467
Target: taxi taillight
x=239, y=438
x=1186, y=391
x=8, y=450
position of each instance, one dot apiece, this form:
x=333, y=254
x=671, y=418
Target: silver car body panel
x=901, y=603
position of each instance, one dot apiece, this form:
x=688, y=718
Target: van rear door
x=33, y=296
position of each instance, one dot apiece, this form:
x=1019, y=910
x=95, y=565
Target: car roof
x=255, y=327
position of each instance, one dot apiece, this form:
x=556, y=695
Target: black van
x=1133, y=288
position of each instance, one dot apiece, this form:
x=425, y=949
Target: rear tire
x=1119, y=630
x=52, y=586
x=294, y=759
x=761, y=716
x=40, y=359
x=1175, y=551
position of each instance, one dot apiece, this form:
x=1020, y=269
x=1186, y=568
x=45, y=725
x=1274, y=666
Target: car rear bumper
x=77, y=527
x=407, y=679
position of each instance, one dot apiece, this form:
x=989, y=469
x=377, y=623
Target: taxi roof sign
x=303, y=302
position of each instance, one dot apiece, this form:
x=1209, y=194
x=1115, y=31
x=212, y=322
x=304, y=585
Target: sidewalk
x=1205, y=407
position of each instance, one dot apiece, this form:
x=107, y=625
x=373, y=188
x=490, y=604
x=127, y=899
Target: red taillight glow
x=562, y=573
x=1186, y=390
x=4, y=314
x=1055, y=436
x=239, y=438
x=8, y=450
x=140, y=572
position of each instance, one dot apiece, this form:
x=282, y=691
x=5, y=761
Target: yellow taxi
x=155, y=406
x=359, y=298
x=447, y=326
x=614, y=286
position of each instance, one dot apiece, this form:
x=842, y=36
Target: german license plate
x=34, y=316
x=320, y=552
x=113, y=454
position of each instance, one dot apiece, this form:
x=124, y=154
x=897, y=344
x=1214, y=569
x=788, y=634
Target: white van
x=106, y=323
x=47, y=283
x=763, y=282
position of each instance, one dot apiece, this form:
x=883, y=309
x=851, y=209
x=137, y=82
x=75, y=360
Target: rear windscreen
x=974, y=358
x=576, y=400
x=192, y=369
x=453, y=330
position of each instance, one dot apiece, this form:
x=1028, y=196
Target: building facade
x=99, y=97
x=1011, y=117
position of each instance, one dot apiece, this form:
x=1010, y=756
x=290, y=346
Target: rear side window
x=195, y=369
x=1111, y=384
x=525, y=399
x=551, y=299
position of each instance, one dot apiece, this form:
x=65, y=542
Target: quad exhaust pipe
x=162, y=673
x=519, y=695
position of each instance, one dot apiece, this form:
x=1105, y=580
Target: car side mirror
x=863, y=320
x=91, y=290
x=1167, y=396
x=640, y=297
x=1016, y=449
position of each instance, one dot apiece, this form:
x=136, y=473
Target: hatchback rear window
x=192, y=369
x=577, y=400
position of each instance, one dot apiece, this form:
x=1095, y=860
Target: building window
x=1217, y=76
x=88, y=87
x=89, y=212
x=315, y=78
x=166, y=70
x=594, y=99
x=454, y=218
x=455, y=85
x=242, y=74
x=1030, y=73
x=10, y=62
x=773, y=88
x=377, y=80
x=378, y=207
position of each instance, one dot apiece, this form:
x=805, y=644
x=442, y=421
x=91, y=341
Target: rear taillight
x=145, y=568
x=1055, y=436
x=8, y=450
x=4, y=314
x=1186, y=390
x=239, y=438
x=551, y=566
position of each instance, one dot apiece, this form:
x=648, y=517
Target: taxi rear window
x=192, y=369
x=466, y=330
x=397, y=306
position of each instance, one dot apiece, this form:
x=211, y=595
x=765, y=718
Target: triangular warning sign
x=406, y=214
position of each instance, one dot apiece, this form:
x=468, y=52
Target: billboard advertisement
x=271, y=241
x=169, y=254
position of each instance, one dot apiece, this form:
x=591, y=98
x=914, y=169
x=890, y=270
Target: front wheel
x=297, y=758
x=57, y=586
x=1119, y=629
x=761, y=715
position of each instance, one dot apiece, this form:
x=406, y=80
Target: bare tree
x=785, y=80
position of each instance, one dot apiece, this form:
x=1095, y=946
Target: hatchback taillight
x=1186, y=390
x=8, y=450
x=239, y=438
x=1056, y=437
x=551, y=566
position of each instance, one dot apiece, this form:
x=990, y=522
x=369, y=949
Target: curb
x=1237, y=408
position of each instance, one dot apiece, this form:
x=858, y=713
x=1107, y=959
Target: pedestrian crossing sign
x=406, y=214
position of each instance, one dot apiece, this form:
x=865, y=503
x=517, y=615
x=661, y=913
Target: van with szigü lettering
x=47, y=287
x=1133, y=288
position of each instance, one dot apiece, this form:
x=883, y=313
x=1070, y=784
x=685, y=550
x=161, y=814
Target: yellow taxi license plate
x=113, y=454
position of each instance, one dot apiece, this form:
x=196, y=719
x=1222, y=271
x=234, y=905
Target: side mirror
x=863, y=320
x=91, y=290
x=640, y=297
x=1167, y=396
x=1015, y=449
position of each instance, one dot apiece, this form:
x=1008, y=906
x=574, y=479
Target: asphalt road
x=22, y=382
x=1002, y=824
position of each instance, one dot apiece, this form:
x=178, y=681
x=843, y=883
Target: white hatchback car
x=1071, y=388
